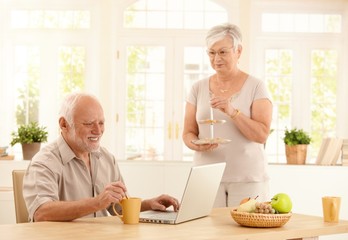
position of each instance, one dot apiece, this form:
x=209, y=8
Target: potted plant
x=30, y=136
x=296, y=142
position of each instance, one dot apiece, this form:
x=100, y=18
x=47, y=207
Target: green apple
x=281, y=202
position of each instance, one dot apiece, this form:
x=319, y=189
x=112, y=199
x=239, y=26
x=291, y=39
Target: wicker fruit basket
x=260, y=220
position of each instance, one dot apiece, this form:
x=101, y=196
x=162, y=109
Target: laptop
x=197, y=200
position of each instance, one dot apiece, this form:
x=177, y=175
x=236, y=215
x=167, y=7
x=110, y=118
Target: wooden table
x=219, y=225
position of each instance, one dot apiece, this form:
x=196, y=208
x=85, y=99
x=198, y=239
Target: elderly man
x=74, y=176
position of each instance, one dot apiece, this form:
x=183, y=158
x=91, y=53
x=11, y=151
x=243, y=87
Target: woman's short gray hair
x=219, y=32
x=69, y=104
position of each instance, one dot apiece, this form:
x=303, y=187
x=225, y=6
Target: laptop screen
x=198, y=196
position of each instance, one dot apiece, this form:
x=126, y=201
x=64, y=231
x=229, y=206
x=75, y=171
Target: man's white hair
x=69, y=105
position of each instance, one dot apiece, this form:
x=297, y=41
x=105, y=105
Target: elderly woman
x=243, y=103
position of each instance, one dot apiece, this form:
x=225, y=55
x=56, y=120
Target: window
x=141, y=58
x=174, y=14
x=301, y=22
x=27, y=75
x=145, y=97
x=72, y=61
x=160, y=72
x=48, y=19
x=47, y=50
x=279, y=78
x=300, y=55
x=324, y=66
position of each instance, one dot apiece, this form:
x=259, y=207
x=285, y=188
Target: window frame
x=301, y=44
x=46, y=40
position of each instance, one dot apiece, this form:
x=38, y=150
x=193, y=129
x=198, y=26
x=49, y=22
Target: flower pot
x=296, y=154
x=30, y=149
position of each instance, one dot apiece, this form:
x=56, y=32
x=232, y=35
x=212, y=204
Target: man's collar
x=67, y=153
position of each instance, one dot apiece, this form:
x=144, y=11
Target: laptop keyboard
x=163, y=215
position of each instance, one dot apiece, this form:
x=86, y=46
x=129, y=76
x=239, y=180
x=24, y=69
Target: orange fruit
x=244, y=200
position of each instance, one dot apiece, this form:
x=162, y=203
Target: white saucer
x=210, y=121
x=211, y=141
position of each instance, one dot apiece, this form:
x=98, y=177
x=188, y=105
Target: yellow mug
x=331, y=208
x=130, y=210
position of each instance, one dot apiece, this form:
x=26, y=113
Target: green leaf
x=29, y=133
x=296, y=136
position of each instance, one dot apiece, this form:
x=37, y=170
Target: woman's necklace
x=222, y=90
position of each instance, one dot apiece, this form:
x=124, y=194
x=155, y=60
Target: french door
x=156, y=74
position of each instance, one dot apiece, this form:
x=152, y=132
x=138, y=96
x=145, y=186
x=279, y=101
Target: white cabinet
x=306, y=184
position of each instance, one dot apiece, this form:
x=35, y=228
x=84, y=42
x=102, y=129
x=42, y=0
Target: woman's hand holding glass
x=223, y=104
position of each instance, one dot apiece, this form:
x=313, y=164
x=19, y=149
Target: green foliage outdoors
x=27, y=109
x=296, y=136
x=135, y=88
x=72, y=79
x=323, y=79
x=324, y=95
x=29, y=133
x=279, y=77
x=72, y=68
